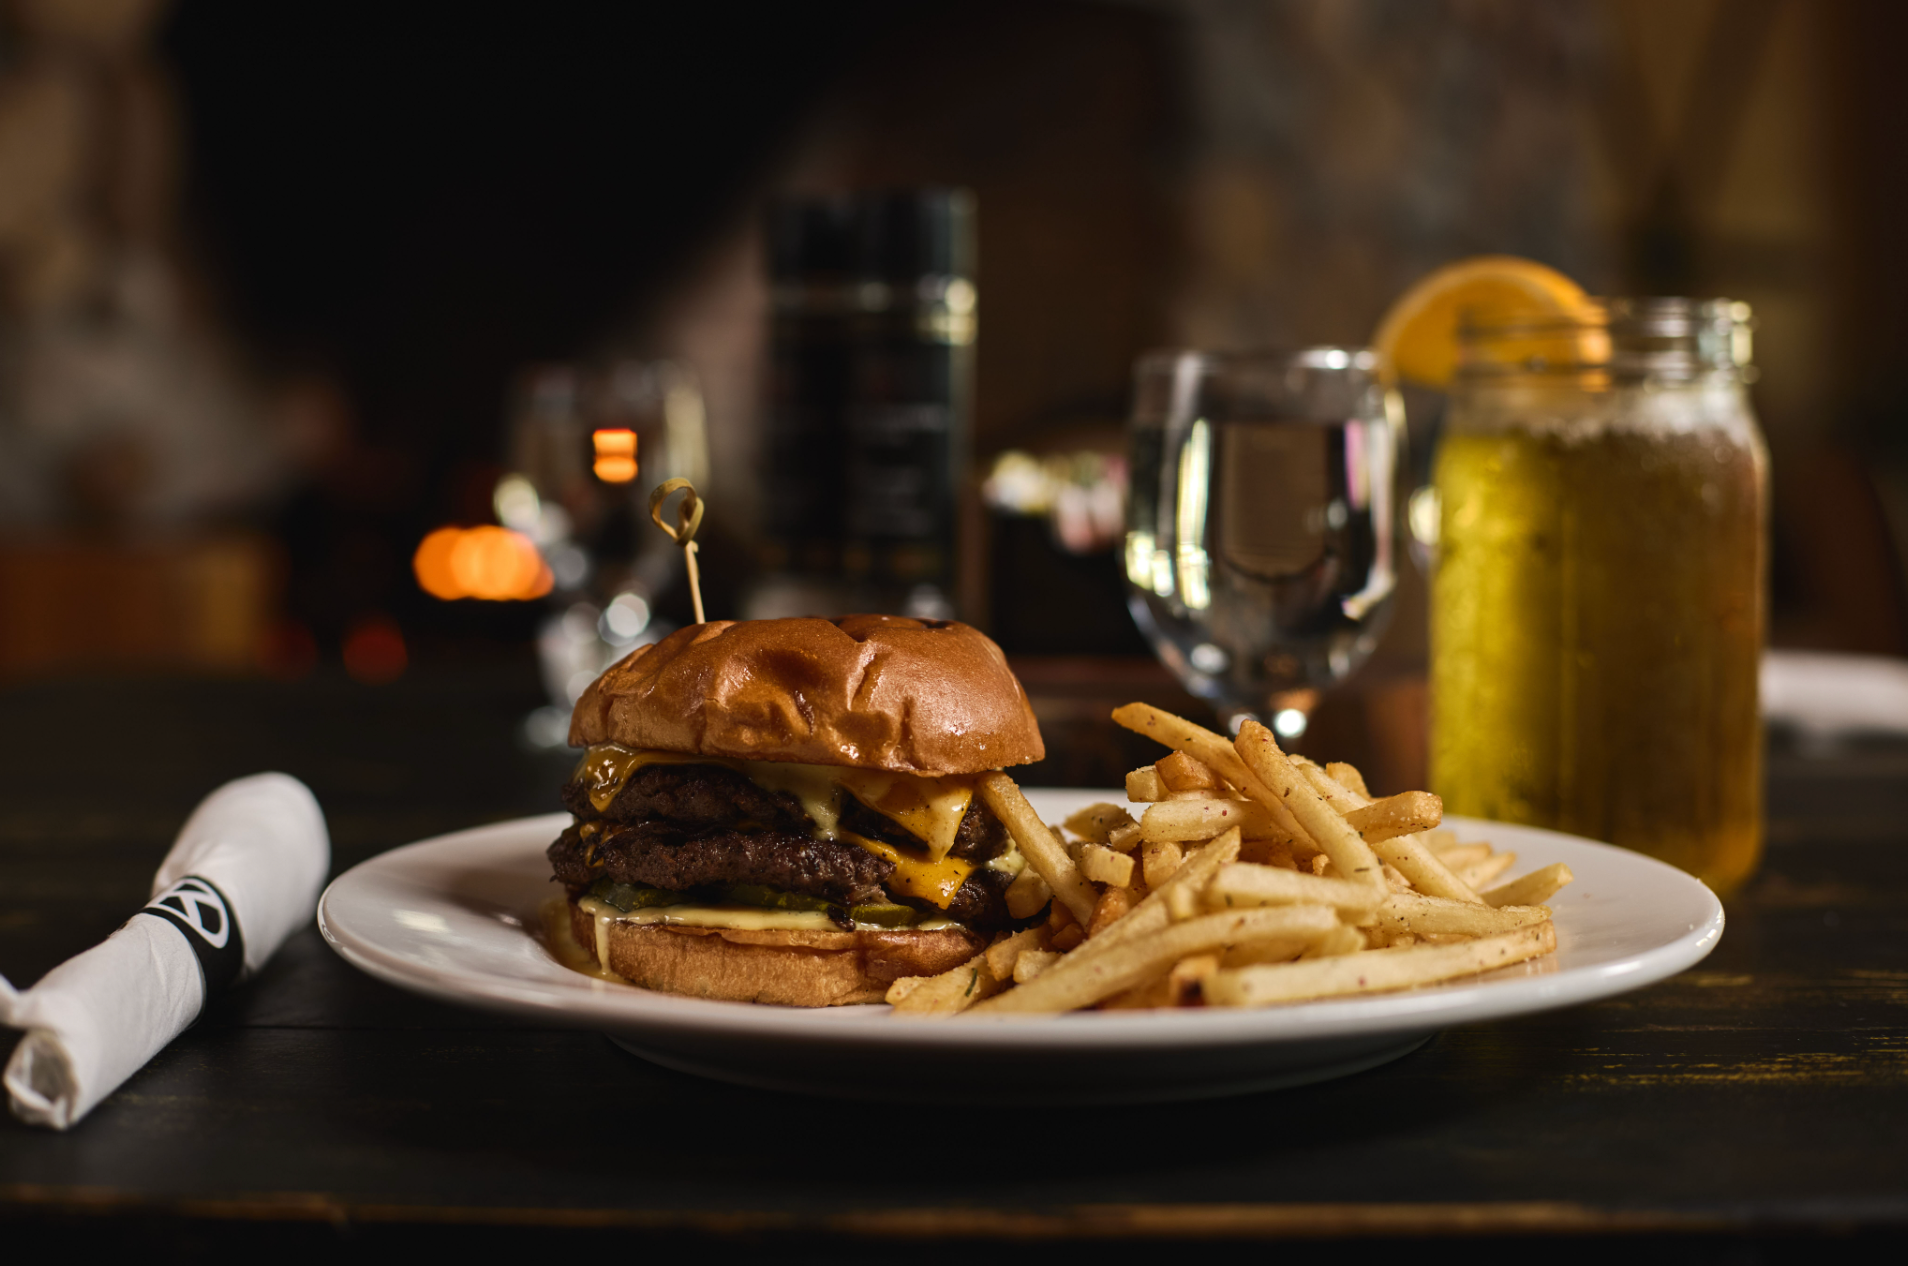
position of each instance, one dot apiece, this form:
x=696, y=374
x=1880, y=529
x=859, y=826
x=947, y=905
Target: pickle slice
x=627, y=897
x=883, y=915
x=772, y=898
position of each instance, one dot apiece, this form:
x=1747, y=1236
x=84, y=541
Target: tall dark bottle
x=912, y=386
x=871, y=378
x=812, y=259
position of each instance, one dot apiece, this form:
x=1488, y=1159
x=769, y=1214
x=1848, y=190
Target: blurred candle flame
x=487, y=562
x=615, y=455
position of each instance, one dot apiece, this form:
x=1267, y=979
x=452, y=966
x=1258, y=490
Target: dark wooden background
x=1757, y=1105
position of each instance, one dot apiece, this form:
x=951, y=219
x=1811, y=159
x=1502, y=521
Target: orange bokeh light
x=488, y=562
x=432, y=564
x=615, y=461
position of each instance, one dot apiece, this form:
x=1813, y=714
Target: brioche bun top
x=868, y=691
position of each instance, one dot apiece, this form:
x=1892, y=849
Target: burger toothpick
x=688, y=519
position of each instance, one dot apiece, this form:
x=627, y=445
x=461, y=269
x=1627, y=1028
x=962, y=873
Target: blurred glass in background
x=586, y=446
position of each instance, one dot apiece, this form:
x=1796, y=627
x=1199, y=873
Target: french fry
x=1148, y=916
x=1435, y=916
x=949, y=993
x=1482, y=874
x=1426, y=873
x=1027, y=894
x=1340, y=940
x=1308, y=887
x=1303, y=851
x=1159, y=859
x=1182, y=982
x=1098, y=821
x=1403, y=814
x=1031, y=963
x=1043, y=852
x=1180, y=772
x=1458, y=856
x=1178, y=987
x=1533, y=889
x=1112, y=906
x=1202, y=819
x=1374, y=971
x=1348, y=777
x=1102, y=865
x=1242, y=884
x=1138, y=958
x=1214, y=752
x=1260, y=753
x=1268, y=853
x=1004, y=953
x=1145, y=996
x=1275, y=950
x=1183, y=904
x=1142, y=785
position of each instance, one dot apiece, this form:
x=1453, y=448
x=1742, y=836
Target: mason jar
x=1598, y=601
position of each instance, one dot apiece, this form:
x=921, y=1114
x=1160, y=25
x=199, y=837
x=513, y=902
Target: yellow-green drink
x=1597, y=609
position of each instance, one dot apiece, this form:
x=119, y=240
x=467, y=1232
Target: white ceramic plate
x=453, y=917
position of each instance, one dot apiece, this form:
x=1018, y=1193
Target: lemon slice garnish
x=1418, y=338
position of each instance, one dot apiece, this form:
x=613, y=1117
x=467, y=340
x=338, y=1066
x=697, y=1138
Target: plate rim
x=589, y=1003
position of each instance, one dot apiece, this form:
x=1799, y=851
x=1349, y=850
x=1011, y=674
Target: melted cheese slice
x=930, y=809
x=742, y=918
x=607, y=766
x=816, y=786
x=746, y=918
x=928, y=880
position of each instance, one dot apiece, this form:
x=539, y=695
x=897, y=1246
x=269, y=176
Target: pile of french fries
x=1252, y=878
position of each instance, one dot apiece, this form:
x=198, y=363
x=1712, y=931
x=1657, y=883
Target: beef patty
x=693, y=798
x=683, y=826
x=829, y=869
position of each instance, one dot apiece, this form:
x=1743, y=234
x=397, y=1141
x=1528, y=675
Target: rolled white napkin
x=243, y=875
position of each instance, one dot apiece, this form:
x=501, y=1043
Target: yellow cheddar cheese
x=918, y=877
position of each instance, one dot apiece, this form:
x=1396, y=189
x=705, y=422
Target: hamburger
x=784, y=811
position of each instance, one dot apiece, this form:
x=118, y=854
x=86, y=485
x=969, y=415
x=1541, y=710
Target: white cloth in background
x=96, y=1019
x=1828, y=696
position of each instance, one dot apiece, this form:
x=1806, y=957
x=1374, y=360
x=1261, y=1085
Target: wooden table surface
x=1764, y=1094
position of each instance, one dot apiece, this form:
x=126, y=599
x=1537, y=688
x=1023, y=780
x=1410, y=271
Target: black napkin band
x=204, y=917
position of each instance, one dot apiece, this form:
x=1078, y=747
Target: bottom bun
x=792, y=969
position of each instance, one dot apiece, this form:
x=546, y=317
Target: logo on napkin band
x=204, y=917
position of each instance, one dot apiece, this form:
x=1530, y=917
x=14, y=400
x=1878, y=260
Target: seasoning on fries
x=1252, y=878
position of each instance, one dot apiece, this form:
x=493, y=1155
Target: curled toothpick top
x=683, y=531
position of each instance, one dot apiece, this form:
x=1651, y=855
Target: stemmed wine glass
x=1261, y=543
x=587, y=443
